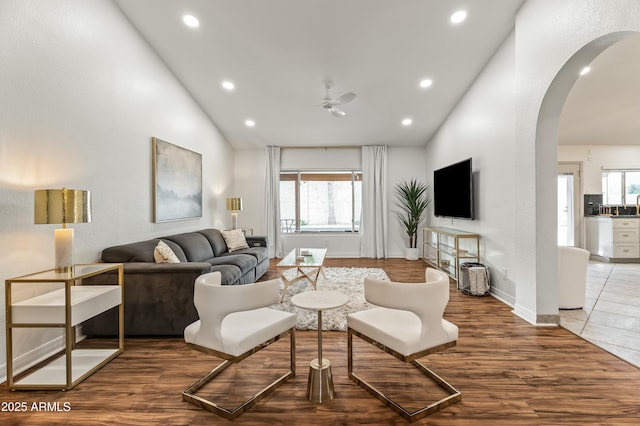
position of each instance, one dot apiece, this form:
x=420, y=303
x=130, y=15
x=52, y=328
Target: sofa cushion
x=260, y=253
x=195, y=246
x=141, y=251
x=216, y=240
x=243, y=261
x=230, y=273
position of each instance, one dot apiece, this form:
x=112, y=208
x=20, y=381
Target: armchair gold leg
x=411, y=416
x=189, y=394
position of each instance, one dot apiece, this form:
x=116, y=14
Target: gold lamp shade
x=234, y=204
x=62, y=206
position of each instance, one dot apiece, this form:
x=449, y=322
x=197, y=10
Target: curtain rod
x=322, y=147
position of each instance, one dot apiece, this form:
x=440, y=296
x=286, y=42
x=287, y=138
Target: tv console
x=446, y=249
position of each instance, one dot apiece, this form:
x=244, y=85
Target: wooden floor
x=509, y=372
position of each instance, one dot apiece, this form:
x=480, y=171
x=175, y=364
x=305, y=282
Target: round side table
x=320, y=382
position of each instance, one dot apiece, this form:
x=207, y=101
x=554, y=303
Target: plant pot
x=411, y=253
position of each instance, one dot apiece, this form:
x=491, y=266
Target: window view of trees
x=320, y=201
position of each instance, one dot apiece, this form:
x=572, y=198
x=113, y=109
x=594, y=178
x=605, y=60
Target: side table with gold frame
x=63, y=308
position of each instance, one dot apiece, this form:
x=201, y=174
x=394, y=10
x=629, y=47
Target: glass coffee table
x=307, y=262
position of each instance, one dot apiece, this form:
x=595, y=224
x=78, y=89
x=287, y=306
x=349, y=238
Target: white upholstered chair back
x=214, y=302
x=427, y=300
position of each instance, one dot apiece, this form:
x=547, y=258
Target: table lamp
x=234, y=205
x=62, y=206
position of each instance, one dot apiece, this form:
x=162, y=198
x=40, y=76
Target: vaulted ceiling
x=278, y=53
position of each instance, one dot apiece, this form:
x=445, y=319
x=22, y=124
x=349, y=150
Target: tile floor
x=611, y=315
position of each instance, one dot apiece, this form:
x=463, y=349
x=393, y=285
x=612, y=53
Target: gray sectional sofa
x=158, y=297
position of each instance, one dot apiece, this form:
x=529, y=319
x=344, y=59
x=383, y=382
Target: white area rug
x=349, y=281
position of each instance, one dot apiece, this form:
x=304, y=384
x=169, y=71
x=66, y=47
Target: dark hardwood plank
x=510, y=373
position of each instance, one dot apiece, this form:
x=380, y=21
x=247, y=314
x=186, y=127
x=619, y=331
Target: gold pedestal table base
x=320, y=382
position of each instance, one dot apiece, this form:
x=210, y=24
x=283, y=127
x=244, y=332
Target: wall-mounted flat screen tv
x=453, y=190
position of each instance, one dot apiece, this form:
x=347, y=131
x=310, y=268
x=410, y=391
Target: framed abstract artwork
x=177, y=182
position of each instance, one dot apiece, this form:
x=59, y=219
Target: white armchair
x=408, y=324
x=235, y=323
x=572, y=277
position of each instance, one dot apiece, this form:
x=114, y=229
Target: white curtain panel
x=373, y=224
x=272, y=200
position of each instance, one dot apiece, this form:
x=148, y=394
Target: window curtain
x=373, y=225
x=272, y=200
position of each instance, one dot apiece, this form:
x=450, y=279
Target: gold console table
x=446, y=248
x=64, y=307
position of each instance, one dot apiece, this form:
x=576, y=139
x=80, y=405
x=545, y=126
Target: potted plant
x=413, y=201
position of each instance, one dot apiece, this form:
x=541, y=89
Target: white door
x=569, y=205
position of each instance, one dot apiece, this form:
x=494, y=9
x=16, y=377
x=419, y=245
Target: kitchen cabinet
x=613, y=237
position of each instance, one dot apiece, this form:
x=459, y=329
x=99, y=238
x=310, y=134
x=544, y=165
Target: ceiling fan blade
x=347, y=97
x=337, y=112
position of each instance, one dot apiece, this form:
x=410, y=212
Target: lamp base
x=64, y=249
x=234, y=220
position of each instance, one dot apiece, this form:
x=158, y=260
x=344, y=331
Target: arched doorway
x=548, y=124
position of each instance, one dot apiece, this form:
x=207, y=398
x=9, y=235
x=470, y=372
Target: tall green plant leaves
x=413, y=201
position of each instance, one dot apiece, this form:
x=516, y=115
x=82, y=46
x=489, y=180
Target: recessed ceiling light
x=585, y=70
x=249, y=123
x=228, y=85
x=458, y=16
x=426, y=83
x=190, y=21
x=407, y=122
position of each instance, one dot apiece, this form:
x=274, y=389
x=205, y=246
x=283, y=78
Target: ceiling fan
x=330, y=104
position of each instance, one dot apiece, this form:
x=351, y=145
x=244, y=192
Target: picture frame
x=177, y=182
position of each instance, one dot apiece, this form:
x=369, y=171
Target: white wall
x=515, y=144
x=482, y=127
x=403, y=163
x=81, y=96
x=596, y=157
x=554, y=40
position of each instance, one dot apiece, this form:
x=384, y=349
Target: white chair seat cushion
x=399, y=330
x=242, y=331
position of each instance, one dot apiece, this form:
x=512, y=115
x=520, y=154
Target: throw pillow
x=163, y=254
x=235, y=240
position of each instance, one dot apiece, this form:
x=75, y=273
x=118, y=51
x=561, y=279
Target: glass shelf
x=447, y=248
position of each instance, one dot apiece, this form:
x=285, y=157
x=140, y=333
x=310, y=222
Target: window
x=620, y=186
x=320, y=201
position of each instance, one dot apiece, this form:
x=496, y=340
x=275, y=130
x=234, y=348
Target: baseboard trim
x=525, y=314
x=33, y=357
x=502, y=296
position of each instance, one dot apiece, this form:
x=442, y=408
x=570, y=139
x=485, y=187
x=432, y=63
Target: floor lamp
x=62, y=206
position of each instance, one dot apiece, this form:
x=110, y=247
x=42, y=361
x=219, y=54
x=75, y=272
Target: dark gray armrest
x=153, y=268
x=135, y=272
x=256, y=241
